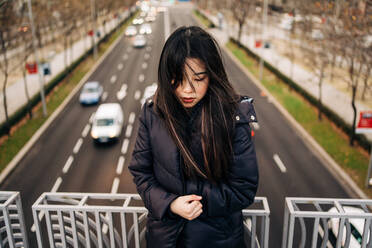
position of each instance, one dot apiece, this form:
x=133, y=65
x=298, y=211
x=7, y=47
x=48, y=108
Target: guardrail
x=12, y=225
x=116, y=220
x=119, y=220
x=338, y=222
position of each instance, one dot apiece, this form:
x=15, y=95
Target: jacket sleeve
x=154, y=196
x=239, y=190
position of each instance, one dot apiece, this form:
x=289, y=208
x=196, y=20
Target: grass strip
x=23, y=131
x=354, y=160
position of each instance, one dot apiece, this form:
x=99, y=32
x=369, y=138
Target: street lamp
x=36, y=54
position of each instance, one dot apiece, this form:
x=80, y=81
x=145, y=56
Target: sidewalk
x=15, y=93
x=334, y=99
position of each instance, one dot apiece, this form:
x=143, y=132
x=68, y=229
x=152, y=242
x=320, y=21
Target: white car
x=107, y=123
x=131, y=31
x=137, y=21
x=356, y=227
x=139, y=41
x=149, y=92
x=145, y=29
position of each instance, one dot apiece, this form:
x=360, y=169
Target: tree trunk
x=320, y=92
x=5, y=71
x=352, y=136
x=365, y=86
x=240, y=30
x=333, y=63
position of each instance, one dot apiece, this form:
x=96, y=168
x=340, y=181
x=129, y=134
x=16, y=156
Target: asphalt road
x=65, y=158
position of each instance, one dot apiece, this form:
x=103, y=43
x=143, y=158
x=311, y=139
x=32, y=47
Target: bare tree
x=355, y=22
x=240, y=10
x=8, y=33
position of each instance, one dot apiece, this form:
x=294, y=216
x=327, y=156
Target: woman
x=194, y=162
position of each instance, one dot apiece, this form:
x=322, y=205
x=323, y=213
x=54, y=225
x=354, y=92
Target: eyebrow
x=200, y=73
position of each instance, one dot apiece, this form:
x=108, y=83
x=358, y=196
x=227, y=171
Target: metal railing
x=116, y=220
x=12, y=225
x=327, y=223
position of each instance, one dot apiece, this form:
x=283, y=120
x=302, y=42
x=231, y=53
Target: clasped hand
x=188, y=206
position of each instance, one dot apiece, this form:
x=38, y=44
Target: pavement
x=336, y=100
x=15, y=93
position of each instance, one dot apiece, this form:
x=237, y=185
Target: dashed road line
x=148, y=49
x=124, y=148
x=104, y=96
x=125, y=56
x=68, y=164
x=144, y=65
x=85, y=131
x=131, y=118
x=113, y=79
x=78, y=145
x=129, y=49
x=115, y=186
x=147, y=56
x=137, y=94
x=141, y=78
x=41, y=215
x=255, y=125
x=56, y=185
x=92, y=115
x=120, y=66
x=119, y=168
x=128, y=132
x=279, y=163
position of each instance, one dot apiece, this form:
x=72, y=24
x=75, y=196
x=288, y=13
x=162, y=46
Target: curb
x=13, y=163
x=333, y=167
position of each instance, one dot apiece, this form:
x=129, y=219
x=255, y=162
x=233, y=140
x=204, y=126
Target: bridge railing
x=322, y=222
x=12, y=224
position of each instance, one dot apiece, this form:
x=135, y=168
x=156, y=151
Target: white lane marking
x=124, y=148
x=120, y=167
x=125, y=56
x=129, y=49
x=92, y=117
x=122, y=92
x=56, y=185
x=141, y=78
x=255, y=125
x=120, y=66
x=131, y=118
x=137, y=94
x=144, y=65
x=115, y=185
x=68, y=164
x=85, y=131
x=166, y=25
x=147, y=56
x=148, y=49
x=279, y=163
x=113, y=79
x=41, y=215
x=321, y=233
x=104, y=96
x=128, y=132
x=78, y=145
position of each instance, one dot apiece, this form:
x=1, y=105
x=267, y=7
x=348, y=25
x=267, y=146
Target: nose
x=186, y=87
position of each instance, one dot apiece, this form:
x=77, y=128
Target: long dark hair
x=218, y=105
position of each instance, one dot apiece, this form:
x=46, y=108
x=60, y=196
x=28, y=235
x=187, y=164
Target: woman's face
x=194, y=84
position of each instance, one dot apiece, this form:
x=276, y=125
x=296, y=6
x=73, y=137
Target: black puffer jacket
x=158, y=175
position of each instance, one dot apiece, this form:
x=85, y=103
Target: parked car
x=139, y=41
x=91, y=93
x=131, y=31
x=145, y=29
x=356, y=227
x=107, y=123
